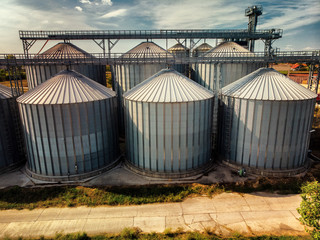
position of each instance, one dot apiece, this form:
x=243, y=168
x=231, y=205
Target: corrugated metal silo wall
x=128, y=76
x=265, y=134
x=37, y=74
x=70, y=138
x=215, y=76
x=168, y=137
x=11, y=139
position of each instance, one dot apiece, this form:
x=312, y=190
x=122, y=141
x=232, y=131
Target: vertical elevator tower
x=253, y=12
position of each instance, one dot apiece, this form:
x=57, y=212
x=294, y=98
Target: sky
x=300, y=20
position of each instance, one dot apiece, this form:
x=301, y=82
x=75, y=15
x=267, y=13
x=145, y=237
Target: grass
x=135, y=233
x=71, y=196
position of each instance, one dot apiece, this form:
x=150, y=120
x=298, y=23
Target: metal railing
x=155, y=34
x=120, y=58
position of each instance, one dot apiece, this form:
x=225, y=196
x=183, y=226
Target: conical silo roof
x=178, y=47
x=66, y=87
x=267, y=84
x=228, y=49
x=146, y=50
x=65, y=50
x=204, y=47
x=168, y=86
x=5, y=92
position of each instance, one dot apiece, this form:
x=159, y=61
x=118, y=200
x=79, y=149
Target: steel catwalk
x=168, y=122
x=39, y=73
x=11, y=137
x=70, y=125
x=265, y=120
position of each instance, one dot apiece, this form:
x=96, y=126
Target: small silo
x=70, y=125
x=38, y=73
x=265, y=120
x=204, y=47
x=135, y=66
x=215, y=75
x=11, y=139
x=168, y=122
x=179, y=51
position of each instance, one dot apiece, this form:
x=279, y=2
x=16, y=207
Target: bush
x=310, y=208
x=130, y=233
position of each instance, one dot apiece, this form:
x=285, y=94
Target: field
x=24, y=84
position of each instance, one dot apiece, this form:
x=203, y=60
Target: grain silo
x=38, y=73
x=11, y=140
x=135, y=66
x=70, y=125
x=204, y=47
x=180, y=52
x=168, y=124
x=265, y=121
x=215, y=75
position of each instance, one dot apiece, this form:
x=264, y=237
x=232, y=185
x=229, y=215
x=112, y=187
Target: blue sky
x=300, y=20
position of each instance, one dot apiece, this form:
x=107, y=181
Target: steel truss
x=113, y=36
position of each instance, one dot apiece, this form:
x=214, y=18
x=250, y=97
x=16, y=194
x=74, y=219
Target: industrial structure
x=253, y=13
x=129, y=73
x=168, y=122
x=70, y=122
x=198, y=51
x=265, y=122
x=180, y=51
x=38, y=73
x=70, y=126
x=216, y=75
x=11, y=139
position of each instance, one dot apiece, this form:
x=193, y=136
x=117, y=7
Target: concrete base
x=12, y=167
x=71, y=178
x=271, y=172
x=193, y=173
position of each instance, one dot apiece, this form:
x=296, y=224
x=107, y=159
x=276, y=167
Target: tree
x=310, y=208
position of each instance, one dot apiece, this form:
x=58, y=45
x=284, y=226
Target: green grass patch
x=285, y=72
x=135, y=233
x=72, y=196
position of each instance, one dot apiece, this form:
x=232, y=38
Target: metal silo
x=70, y=125
x=11, y=140
x=265, y=121
x=180, y=52
x=38, y=73
x=204, y=47
x=168, y=124
x=137, y=67
x=215, y=76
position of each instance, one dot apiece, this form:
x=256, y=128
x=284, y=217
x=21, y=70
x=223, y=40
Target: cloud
x=293, y=16
x=308, y=49
x=116, y=13
x=106, y=2
x=85, y=2
x=78, y=8
x=190, y=14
